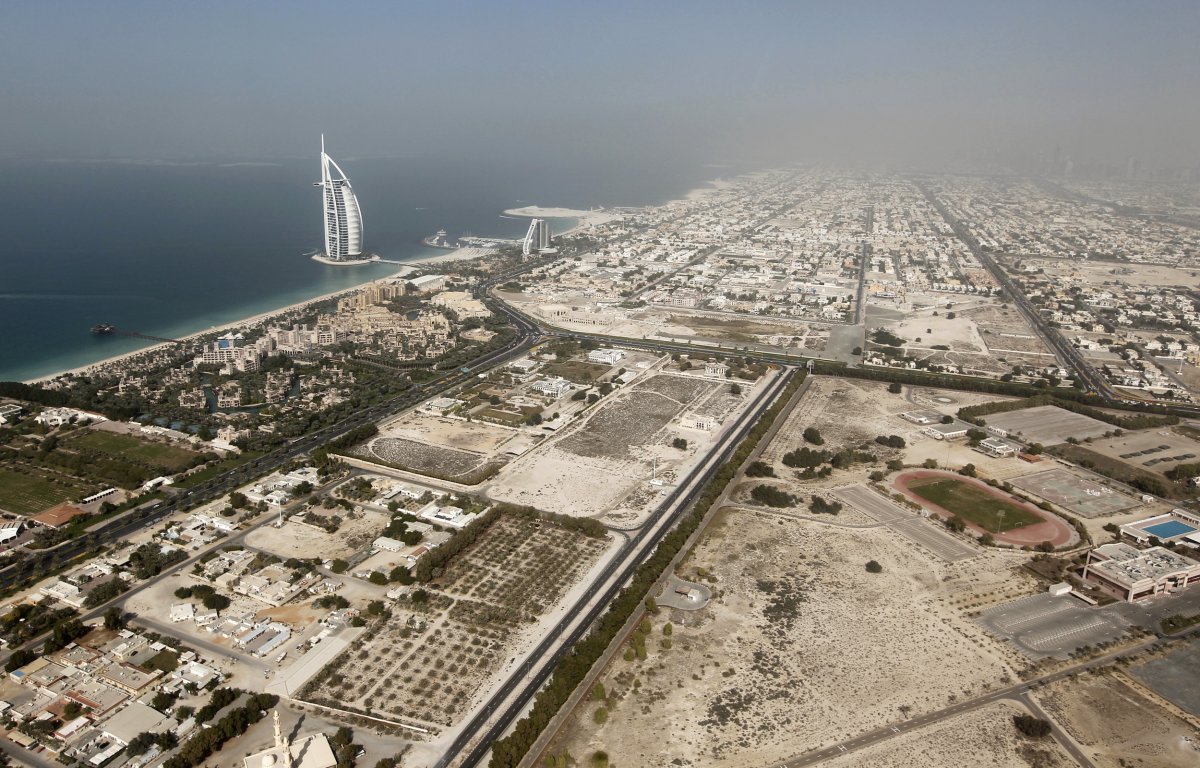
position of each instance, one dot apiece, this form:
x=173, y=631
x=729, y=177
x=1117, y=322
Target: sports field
x=169, y=458
x=29, y=494
x=1076, y=494
x=973, y=504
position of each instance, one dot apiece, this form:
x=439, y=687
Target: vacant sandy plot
x=568, y=484
x=981, y=738
x=474, y=436
x=607, y=456
x=1115, y=725
x=847, y=413
x=800, y=647
x=922, y=330
x=1048, y=424
x=305, y=541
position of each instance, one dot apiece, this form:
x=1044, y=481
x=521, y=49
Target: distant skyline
x=919, y=83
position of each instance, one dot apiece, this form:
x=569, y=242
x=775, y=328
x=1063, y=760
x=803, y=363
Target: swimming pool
x=1170, y=529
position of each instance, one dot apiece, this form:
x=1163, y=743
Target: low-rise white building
x=1133, y=574
x=607, y=356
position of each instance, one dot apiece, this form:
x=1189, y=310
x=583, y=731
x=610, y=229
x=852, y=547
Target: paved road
x=1011, y=692
x=908, y=524
x=202, y=644
x=508, y=702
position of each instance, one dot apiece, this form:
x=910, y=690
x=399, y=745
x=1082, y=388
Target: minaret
x=284, y=747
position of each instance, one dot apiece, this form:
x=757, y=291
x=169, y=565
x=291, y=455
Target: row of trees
x=210, y=740
x=974, y=384
x=571, y=670
x=430, y=566
x=1121, y=421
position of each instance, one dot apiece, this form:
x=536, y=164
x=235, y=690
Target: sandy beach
x=585, y=218
x=460, y=254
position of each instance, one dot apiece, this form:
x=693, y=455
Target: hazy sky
x=749, y=82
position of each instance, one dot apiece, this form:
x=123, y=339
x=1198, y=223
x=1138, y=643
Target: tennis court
x=1075, y=494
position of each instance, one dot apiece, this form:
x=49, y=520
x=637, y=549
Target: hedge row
x=975, y=384
x=1132, y=421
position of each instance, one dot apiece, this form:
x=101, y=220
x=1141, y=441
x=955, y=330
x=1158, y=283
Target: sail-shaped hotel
x=343, y=219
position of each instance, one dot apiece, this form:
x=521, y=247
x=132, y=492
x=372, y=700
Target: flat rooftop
x=1130, y=565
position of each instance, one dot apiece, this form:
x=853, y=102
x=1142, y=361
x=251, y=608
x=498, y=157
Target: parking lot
x=1048, y=424
x=1045, y=625
x=1174, y=676
x=908, y=524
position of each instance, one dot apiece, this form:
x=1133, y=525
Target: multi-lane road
x=507, y=702
x=41, y=562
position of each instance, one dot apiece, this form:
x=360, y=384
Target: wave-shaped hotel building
x=343, y=219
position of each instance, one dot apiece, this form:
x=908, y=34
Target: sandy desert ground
x=800, y=647
x=981, y=738
x=1116, y=726
x=602, y=464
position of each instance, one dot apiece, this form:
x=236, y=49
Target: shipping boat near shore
x=439, y=240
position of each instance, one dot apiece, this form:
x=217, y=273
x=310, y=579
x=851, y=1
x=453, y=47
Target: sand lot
x=847, y=413
x=979, y=738
x=475, y=436
x=305, y=541
x=800, y=647
x=983, y=337
x=1115, y=725
x=603, y=462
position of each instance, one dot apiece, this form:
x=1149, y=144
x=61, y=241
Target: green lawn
x=168, y=458
x=30, y=494
x=973, y=504
x=576, y=371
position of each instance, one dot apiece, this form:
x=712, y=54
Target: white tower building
x=343, y=219
x=537, y=238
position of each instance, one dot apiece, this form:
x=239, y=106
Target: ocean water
x=172, y=249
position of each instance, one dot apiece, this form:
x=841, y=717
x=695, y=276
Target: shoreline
x=259, y=318
x=583, y=219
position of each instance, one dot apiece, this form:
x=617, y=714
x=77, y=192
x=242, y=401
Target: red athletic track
x=1053, y=528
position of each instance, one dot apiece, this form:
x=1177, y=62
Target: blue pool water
x=1169, y=529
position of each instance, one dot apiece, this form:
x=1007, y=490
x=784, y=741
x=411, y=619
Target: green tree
x=113, y=618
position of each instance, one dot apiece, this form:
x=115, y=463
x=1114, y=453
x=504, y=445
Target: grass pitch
x=29, y=494
x=974, y=504
x=166, y=457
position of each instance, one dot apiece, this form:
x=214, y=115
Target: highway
x=44, y=561
x=525, y=681
x=1068, y=356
